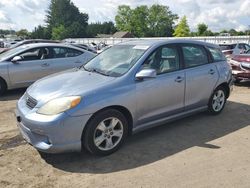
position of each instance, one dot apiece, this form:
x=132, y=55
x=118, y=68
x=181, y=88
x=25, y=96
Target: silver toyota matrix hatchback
x=130, y=87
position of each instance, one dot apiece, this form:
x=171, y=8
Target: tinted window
x=73, y=53
x=59, y=52
x=163, y=60
x=217, y=54
x=242, y=46
x=194, y=55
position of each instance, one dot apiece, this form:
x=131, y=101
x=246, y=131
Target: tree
x=65, y=18
x=182, y=29
x=139, y=21
x=161, y=21
x=123, y=18
x=23, y=33
x=40, y=32
x=233, y=32
x=144, y=21
x=202, y=29
x=59, y=33
x=101, y=28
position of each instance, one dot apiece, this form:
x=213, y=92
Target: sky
x=217, y=14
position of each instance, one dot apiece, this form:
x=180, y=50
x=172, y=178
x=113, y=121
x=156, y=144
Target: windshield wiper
x=95, y=70
x=99, y=72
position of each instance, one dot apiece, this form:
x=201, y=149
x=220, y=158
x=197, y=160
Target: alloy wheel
x=218, y=100
x=108, y=134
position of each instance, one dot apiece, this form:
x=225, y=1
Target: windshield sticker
x=141, y=47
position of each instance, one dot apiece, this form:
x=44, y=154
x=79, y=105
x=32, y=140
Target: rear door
x=64, y=58
x=201, y=76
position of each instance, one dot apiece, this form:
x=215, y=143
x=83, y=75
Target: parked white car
x=21, y=66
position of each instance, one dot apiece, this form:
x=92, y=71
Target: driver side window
x=35, y=54
x=165, y=59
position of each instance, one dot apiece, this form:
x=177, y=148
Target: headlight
x=245, y=64
x=59, y=105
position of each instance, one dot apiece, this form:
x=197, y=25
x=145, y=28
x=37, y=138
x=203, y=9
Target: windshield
x=10, y=52
x=116, y=60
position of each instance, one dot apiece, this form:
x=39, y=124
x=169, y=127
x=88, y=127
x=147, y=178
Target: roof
x=152, y=42
x=122, y=34
x=36, y=45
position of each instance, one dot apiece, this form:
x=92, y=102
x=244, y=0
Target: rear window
x=216, y=54
x=227, y=46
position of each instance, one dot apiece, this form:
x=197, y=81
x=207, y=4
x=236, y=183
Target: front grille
x=30, y=102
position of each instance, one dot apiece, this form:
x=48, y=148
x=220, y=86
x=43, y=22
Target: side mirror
x=146, y=73
x=16, y=59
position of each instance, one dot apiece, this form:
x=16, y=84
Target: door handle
x=45, y=65
x=179, y=79
x=211, y=71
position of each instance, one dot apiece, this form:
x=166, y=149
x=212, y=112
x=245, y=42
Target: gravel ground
x=198, y=151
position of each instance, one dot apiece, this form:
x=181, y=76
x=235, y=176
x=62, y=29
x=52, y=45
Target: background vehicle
x=234, y=49
x=125, y=89
x=21, y=66
x=85, y=47
x=241, y=66
x=1, y=44
x=31, y=41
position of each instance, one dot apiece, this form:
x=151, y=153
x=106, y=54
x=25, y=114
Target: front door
x=162, y=96
x=32, y=67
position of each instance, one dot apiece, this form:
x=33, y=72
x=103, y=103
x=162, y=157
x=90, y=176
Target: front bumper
x=241, y=74
x=50, y=134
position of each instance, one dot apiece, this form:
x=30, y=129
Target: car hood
x=67, y=83
x=242, y=57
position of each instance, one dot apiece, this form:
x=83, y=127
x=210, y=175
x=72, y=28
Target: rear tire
x=3, y=87
x=105, y=132
x=217, y=101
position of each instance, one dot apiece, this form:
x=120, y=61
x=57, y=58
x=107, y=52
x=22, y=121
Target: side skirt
x=167, y=119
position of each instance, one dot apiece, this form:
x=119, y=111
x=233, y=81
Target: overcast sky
x=217, y=14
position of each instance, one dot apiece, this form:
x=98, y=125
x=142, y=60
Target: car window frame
x=18, y=54
x=160, y=47
x=208, y=55
x=211, y=55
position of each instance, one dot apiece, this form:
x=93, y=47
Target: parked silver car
x=21, y=66
x=127, y=88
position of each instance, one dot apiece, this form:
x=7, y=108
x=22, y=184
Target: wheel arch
x=226, y=87
x=4, y=81
x=119, y=108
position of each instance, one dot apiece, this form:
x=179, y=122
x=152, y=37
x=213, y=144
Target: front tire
x=105, y=132
x=217, y=101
